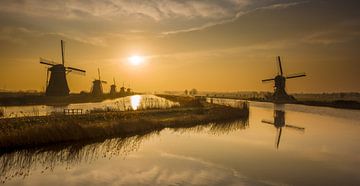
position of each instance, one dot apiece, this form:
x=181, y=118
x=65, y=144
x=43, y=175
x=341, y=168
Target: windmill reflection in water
x=280, y=123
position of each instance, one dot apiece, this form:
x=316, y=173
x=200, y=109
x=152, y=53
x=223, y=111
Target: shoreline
x=29, y=132
x=339, y=104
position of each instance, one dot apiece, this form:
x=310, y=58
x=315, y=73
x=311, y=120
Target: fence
x=70, y=112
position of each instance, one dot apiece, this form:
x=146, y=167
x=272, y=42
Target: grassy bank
x=342, y=104
x=43, y=130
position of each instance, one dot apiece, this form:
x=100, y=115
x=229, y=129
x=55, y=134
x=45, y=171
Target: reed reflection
x=280, y=123
x=21, y=163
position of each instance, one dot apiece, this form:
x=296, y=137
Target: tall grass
x=42, y=130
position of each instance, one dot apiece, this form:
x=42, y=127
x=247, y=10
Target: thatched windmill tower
x=57, y=85
x=280, y=95
x=113, y=88
x=97, y=89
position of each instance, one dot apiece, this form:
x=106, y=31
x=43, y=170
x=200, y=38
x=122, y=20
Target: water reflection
x=279, y=123
x=135, y=101
x=20, y=164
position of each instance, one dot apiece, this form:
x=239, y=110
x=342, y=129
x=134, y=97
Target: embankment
x=27, y=132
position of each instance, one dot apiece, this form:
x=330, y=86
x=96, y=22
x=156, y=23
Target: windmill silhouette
x=97, y=89
x=280, y=95
x=57, y=85
x=279, y=123
x=113, y=88
x=123, y=89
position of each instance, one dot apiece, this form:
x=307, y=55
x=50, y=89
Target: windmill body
x=57, y=84
x=97, y=88
x=280, y=95
x=113, y=89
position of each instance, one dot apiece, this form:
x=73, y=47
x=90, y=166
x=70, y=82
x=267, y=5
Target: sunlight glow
x=136, y=59
x=135, y=101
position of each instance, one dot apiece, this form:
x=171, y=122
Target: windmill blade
x=99, y=74
x=47, y=62
x=296, y=75
x=278, y=137
x=267, y=80
x=47, y=78
x=63, y=52
x=280, y=66
x=76, y=69
x=268, y=122
x=295, y=127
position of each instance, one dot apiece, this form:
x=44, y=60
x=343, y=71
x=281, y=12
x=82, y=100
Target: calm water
x=318, y=146
x=120, y=104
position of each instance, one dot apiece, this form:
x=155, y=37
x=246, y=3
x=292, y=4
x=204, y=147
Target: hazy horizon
x=221, y=46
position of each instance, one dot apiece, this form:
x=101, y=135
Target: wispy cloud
x=18, y=35
x=234, y=17
x=331, y=37
x=155, y=9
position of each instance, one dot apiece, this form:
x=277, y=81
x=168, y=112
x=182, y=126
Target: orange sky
x=214, y=45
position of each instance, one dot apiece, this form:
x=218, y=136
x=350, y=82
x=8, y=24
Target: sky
x=210, y=45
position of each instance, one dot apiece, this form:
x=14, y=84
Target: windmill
x=57, y=84
x=280, y=95
x=113, y=88
x=128, y=90
x=97, y=89
x=123, y=89
x=279, y=123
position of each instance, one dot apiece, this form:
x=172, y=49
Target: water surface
x=134, y=102
x=318, y=146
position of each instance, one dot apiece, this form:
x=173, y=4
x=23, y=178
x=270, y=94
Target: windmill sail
x=266, y=80
x=47, y=62
x=280, y=66
x=295, y=75
x=62, y=52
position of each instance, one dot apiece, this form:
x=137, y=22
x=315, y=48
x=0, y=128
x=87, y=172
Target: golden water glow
x=135, y=102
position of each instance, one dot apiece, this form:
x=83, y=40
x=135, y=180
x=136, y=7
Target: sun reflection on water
x=135, y=101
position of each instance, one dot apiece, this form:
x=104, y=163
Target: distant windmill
x=113, y=88
x=280, y=95
x=97, y=89
x=123, y=89
x=279, y=123
x=57, y=85
x=128, y=90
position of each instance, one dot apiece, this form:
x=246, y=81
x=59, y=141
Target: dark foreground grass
x=28, y=132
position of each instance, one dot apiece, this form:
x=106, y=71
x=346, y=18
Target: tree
x=193, y=92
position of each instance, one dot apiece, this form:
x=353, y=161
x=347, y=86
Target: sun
x=136, y=60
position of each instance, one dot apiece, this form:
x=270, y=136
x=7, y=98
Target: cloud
x=331, y=37
x=155, y=9
x=18, y=35
x=234, y=17
x=71, y=19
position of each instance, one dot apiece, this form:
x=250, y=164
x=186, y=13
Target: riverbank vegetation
x=36, y=131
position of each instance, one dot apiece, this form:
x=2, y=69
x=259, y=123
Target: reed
x=37, y=131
